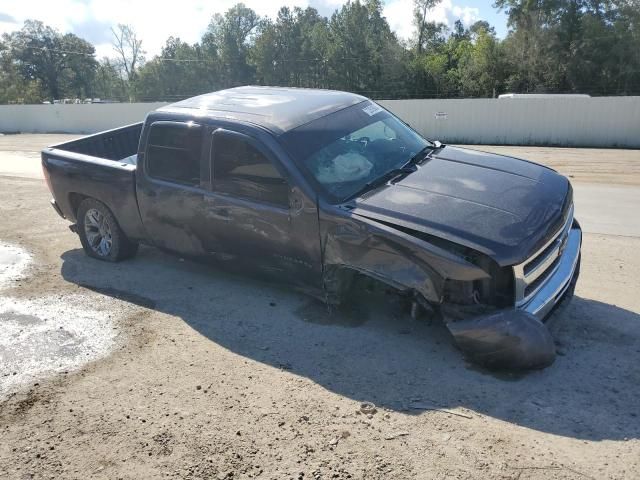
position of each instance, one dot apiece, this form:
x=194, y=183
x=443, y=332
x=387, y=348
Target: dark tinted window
x=242, y=170
x=174, y=152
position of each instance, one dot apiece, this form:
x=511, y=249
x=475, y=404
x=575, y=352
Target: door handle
x=296, y=205
x=222, y=212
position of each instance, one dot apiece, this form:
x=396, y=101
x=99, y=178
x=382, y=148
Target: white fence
x=580, y=122
x=81, y=118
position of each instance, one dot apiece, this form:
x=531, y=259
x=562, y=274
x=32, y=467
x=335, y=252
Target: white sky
x=155, y=21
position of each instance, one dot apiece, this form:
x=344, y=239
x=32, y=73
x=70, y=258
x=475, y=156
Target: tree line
x=553, y=46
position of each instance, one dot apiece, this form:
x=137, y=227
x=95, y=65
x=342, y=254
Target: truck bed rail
x=113, y=144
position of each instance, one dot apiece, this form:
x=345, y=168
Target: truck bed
x=118, y=144
x=100, y=166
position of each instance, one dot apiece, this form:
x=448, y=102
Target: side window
x=241, y=170
x=173, y=153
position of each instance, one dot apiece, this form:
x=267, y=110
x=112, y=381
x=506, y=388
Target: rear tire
x=100, y=235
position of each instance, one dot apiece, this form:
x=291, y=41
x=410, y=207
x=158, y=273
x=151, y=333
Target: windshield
x=349, y=149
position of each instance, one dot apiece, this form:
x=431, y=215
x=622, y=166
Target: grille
x=532, y=287
x=532, y=265
x=531, y=275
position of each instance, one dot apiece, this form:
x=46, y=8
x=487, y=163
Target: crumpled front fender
x=393, y=257
x=509, y=339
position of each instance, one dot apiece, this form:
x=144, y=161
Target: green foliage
x=290, y=50
x=585, y=46
x=363, y=54
x=60, y=64
x=181, y=70
x=481, y=63
x=108, y=83
x=426, y=31
x=231, y=36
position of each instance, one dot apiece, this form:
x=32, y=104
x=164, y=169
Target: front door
x=257, y=218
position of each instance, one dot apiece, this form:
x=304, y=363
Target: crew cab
x=317, y=187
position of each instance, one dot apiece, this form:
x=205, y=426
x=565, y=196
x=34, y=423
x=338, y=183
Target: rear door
x=257, y=217
x=170, y=190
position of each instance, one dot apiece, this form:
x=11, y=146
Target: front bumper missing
x=516, y=338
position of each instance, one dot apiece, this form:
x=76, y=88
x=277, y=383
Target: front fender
x=394, y=257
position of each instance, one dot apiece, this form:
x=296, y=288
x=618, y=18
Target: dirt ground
x=592, y=165
x=214, y=376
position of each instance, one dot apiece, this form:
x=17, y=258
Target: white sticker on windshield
x=372, y=109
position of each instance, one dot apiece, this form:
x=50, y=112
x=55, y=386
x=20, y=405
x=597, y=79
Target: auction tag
x=372, y=109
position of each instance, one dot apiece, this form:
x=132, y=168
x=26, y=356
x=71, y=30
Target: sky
x=155, y=21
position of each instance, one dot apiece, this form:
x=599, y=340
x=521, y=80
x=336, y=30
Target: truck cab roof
x=276, y=109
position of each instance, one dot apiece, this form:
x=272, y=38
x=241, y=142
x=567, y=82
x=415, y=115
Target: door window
x=241, y=170
x=173, y=153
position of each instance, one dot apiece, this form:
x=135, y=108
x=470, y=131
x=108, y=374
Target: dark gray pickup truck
x=318, y=187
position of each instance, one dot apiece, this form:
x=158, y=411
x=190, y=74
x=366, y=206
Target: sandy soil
x=590, y=165
x=33, y=142
x=217, y=376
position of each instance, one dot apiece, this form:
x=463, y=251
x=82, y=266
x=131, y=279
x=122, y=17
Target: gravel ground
x=207, y=375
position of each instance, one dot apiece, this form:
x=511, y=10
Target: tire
x=100, y=235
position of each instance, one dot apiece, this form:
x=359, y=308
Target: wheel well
x=75, y=199
x=340, y=279
x=344, y=285
x=337, y=280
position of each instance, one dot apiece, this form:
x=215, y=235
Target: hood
x=501, y=206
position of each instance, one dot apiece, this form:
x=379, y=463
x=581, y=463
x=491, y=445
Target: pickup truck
x=317, y=188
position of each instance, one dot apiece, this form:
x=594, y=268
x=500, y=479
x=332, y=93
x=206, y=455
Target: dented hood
x=501, y=206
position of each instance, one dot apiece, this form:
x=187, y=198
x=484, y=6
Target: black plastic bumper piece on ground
x=508, y=339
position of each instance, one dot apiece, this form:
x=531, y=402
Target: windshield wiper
x=382, y=180
x=406, y=169
x=421, y=156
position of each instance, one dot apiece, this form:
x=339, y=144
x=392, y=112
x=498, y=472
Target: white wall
x=580, y=122
x=89, y=118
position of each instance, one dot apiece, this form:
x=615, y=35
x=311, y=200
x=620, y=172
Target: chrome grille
x=531, y=275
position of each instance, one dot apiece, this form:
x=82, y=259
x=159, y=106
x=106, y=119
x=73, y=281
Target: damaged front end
x=514, y=336
x=474, y=296
x=487, y=327
x=505, y=339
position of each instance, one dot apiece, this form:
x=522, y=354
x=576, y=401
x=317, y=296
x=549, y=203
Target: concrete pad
x=13, y=263
x=33, y=142
x=51, y=334
x=21, y=164
x=608, y=209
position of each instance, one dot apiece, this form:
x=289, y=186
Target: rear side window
x=173, y=153
x=241, y=170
